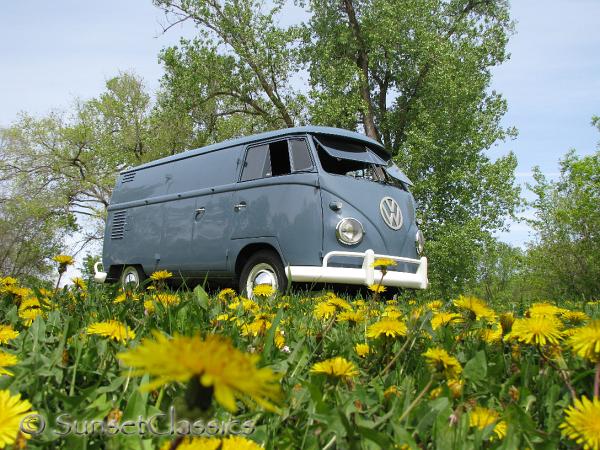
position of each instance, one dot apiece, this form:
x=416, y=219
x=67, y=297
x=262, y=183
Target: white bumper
x=366, y=275
x=99, y=277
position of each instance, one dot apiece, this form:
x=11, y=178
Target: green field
x=453, y=373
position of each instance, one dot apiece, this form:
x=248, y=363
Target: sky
x=56, y=51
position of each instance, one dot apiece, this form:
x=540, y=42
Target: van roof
x=259, y=137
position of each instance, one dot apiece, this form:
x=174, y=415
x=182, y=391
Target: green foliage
x=565, y=260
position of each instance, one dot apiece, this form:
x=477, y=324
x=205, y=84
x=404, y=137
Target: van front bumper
x=99, y=276
x=366, y=275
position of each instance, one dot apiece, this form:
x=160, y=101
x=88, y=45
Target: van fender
x=242, y=245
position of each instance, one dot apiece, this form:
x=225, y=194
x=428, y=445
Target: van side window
x=280, y=159
x=300, y=155
x=257, y=164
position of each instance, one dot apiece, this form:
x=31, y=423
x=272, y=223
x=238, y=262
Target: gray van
x=306, y=204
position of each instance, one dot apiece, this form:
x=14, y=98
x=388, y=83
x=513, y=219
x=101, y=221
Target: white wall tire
x=131, y=277
x=264, y=267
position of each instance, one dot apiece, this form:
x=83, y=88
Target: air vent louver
x=128, y=177
x=118, y=225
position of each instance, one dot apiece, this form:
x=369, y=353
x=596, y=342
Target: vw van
x=306, y=204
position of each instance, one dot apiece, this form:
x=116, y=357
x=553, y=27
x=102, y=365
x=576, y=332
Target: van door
x=278, y=196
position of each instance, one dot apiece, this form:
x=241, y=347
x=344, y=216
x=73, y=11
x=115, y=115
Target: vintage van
x=306, y=204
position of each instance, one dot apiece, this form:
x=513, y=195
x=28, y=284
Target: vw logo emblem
x=390, y=211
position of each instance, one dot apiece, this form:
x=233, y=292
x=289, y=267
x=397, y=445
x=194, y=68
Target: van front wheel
x=132, y=277
x=264, y=267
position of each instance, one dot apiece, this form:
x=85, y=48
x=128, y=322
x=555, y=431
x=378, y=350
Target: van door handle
x=239, y=206
x=199, y=213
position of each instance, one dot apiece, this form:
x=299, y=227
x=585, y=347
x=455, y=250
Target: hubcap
x=130, y=279
x=262, y=273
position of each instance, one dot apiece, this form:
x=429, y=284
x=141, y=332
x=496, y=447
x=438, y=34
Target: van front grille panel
x=119, y=222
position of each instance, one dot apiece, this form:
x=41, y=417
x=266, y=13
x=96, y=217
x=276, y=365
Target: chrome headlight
x=420, y=242
x=349, y=231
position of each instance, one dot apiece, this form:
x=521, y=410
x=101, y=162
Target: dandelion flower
x=161, y=275
x=543, y=309
x=383, y=262
x=64, y=260
x=352, y=317
x=474, y=308
x=7, y=333
x=112, y=329
x=388, y=328
x=377, y=288
x=323, y=310
x=227, y=295
x=214, y=362
x=481, y=418
x=166, y=299
x=435, y=305
x=8, y=281
x=339, y=303
x=29, y=315
x=337, y=367
x=79, y=283
x=7, y=360
x=444, y=318
x=506, y=322
x=443, y=363
x=456, y=387
x=574, y=317
x=362, y=350
x=582, y=423
x=12, y=411
x=537, y=330
x=491, y=335
x=585, y=341
x=263, y=290
x=213, y=443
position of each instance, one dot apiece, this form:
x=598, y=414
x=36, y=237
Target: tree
x=65, y=166
x=564, y=261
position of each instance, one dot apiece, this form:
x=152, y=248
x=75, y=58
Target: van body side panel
x=285, y=207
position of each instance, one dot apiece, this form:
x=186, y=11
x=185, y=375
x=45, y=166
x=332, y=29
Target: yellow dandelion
x=337, y=367
x=474, y=308
x=213, y=443
x=585, y=341
x=8, y=281
x=30, y=302
x=388, y=328
x=340, y=304
x=112, y=329
x=574, y=317
x=491, y=335
x=7, y=333
x=434, y=305
x=442, y=363
x=506, y=322
x=582, y=423
x=227, y=295
x=7, y=360
x=256, y=328
x=455, y=386
x=537, y=330
x=263, y=290
x=161, y=275
x=323, y=310
x=29, y=315
x=213, y=362
x=79, y=283
x=352, y=317
x=149, y=307
x=481, y=418
x=543, y=309
x=64, y=260
x=166, y=299
x=392, y=391
x=362, y=350
x=377, y=288
x=12, y=412
x=440, y=319
x=383, y=262
x=279, y=339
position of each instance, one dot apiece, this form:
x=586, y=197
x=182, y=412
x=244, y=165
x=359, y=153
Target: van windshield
x=358, y=161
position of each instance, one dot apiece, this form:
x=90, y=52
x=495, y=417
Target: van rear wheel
x=132, y=277
x=264, y=267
